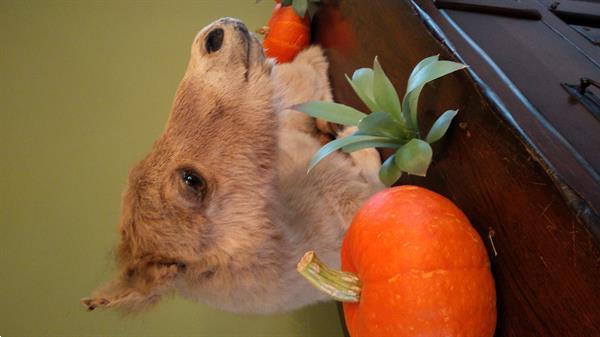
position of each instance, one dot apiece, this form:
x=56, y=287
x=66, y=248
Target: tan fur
x=236, y=248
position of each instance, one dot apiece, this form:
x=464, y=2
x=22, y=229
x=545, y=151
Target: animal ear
x=119, y=295
x=138, y=287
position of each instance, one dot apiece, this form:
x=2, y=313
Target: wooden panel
x=547, y=263
x=559, y=159
x=577, y=12
x=537, y=61
x=551, y=19
x=495, y=7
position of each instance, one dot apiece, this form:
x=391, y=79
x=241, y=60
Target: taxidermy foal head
x=195, y=208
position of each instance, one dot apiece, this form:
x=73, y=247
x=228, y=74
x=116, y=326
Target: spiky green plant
x=392, y=123
x=300, y=6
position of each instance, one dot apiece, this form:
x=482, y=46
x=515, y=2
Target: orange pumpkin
x=287, y=34
x=421, y=269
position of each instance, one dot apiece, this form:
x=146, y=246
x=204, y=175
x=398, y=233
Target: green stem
x=340, y=285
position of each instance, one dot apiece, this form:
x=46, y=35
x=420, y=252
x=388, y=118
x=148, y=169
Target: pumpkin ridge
x=416, y=271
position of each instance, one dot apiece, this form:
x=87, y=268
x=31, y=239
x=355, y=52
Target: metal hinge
x=585, y=96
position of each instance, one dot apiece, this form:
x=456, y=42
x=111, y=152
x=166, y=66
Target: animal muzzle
x=224, y=31
x=229, y=38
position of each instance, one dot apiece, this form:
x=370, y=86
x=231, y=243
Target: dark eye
x=193, y=180
x=214, y=40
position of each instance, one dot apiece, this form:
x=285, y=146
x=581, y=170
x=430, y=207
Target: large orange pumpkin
x=287, y=34
x=422, y=269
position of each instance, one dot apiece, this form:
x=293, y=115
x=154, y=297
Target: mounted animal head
x=197, y=205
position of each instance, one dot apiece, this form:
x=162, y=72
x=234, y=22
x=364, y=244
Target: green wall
x=85, y=87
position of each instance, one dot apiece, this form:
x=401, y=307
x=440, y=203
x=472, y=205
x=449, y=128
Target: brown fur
x=236, y=246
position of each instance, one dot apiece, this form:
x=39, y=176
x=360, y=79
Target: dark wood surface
x=545, y=259
x=537, y=61
x=496, y=7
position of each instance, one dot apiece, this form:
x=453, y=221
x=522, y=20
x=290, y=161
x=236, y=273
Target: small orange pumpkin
x=286, y=34
x=412, y=266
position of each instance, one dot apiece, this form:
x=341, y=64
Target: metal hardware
x=584, y=96
x=585, y=82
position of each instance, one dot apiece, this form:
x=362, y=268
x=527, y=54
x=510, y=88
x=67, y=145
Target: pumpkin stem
x=340, y=285
x=263, y=30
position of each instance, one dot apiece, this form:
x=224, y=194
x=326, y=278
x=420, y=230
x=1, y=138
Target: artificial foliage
x=300, y=6
x=392, y=123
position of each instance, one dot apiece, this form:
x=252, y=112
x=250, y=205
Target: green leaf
x=412, y=106
x=389, y=172
x=380, y=142
x=335, y=145
x=433, y=71
x=384, y=91
x=286, y=2
x=410, y=102
x=414, y=157
x=300, y=7
x=362, y=83
x=440, y=126
x=424, y=62
x=363, y=78
x=428, y=72
x=333, y=112
x=380, y=123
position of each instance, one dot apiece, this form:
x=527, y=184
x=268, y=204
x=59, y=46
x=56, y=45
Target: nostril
x=214, y=40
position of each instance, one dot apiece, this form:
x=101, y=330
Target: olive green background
x=85, y=88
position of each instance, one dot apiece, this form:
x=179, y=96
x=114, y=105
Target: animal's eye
x=190, y=188
x=214, y=40
x=193, y=180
